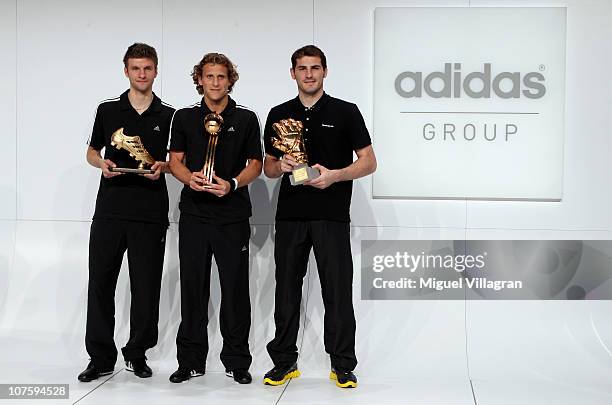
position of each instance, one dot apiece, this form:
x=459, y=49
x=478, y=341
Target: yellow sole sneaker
x=288, y=376
x=348, y=384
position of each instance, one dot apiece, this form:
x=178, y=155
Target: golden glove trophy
x=212, y=124
x=290, y=140
x=134, y=146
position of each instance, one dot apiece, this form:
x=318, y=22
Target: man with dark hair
x=139, y=50
x=316, y=215
x=214, y=219
x=131, y=214
x=308, y=50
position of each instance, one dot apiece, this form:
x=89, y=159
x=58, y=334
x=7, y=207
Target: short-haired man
x=131, y=214
x=215, y=219
x=316, y=215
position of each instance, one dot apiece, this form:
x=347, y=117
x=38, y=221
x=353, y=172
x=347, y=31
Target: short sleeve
x=268, y=135
x=253, y=139
x=358, y=132
x=97, y=140
x=177, y=134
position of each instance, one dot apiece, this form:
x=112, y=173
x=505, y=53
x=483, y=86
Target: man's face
x=141, y=72
x=214, y=82
x=309, y=74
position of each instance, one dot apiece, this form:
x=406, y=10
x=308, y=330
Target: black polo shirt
x=130, y=196
x=239, y=140
x=333, y=129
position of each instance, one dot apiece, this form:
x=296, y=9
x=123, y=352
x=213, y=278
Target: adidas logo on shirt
x=156, y=128
x=244, y=249
x=231, y=129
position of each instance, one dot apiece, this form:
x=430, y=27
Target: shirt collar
x=316, y=107
x=229, y=108
x=124, y=102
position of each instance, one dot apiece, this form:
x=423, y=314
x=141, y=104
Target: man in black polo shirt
x=131, y=214
x=215, y=219
x=316, y=215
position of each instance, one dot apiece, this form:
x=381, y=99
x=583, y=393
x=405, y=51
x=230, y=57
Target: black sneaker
x=240, y=375
x=92, y=373
x=280, y=374
x=184, y=374
x=139, y=367
x=344, y=379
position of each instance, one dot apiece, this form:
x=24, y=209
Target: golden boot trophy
x=290, y=140
x=136, y=149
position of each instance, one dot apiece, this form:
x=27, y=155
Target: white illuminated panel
x=469, y=102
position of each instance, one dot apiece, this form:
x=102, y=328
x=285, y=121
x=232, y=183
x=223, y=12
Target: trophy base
x=303, y=173
x=130, y=170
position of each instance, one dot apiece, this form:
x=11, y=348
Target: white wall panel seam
x=16, y=108
x=313, y=22
x=162, y=54
x=23, y=220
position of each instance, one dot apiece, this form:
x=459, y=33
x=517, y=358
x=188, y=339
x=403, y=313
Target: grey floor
x=34, y=360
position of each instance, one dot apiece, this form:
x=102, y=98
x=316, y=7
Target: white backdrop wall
x=61, y=57
x=8, y=90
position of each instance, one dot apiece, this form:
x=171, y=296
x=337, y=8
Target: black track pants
x=229, y=243
x=332, y=250
x=145, y=245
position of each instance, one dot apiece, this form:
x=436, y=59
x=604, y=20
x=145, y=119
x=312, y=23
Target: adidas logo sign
x=156, y=128
x=230, y=129
x=244, y=249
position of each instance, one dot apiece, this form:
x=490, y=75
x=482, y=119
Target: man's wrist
x=337, y=175
x=233, y=185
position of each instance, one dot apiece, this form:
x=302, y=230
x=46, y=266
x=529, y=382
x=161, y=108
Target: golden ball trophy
x=213, y=123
